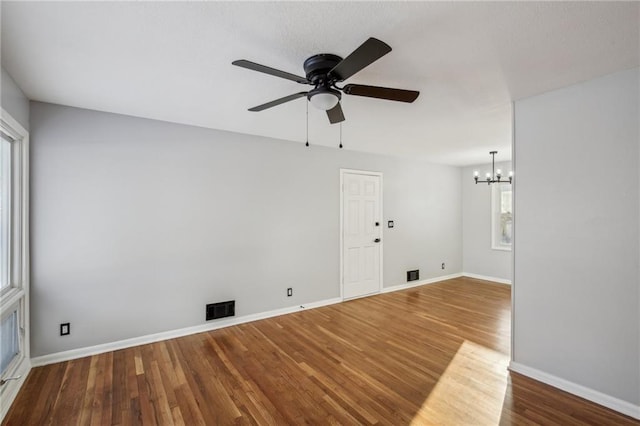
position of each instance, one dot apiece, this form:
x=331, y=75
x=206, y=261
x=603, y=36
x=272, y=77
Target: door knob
x=377, y=240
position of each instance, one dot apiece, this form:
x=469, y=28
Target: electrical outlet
x=65, y=329
x=442, y=265
x=289, y=292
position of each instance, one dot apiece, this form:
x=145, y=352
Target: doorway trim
x=513, y=236
x=341, y=248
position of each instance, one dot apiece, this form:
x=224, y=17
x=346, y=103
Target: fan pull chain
x=307, y=103
x=340, y=135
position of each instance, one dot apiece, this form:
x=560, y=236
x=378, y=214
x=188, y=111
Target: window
x=9, y=339
x=14, y=261
x=501, y=216
x=5, y=209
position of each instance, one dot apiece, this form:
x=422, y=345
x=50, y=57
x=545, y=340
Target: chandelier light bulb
x=488, y=175
x=498, y=172
x=511, y=173
x=475, y=173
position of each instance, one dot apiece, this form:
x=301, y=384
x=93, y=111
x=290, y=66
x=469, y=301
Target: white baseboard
x=600, y=398
x=157, y=337
x=419, y=283
x=486, y=278
x=11, y=388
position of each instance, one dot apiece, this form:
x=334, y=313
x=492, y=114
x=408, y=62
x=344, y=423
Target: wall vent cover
x=221, y=310
x=413, y=275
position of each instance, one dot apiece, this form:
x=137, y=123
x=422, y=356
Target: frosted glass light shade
x=324, y=101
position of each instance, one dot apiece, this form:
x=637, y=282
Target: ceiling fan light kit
x=324, y=98
x=324, y=70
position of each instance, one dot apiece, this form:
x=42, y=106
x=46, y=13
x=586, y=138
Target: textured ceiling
x=172, y=61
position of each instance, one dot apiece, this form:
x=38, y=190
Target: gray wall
x=137, y=224
x=477, y=255
x=576, y=234
x=13, y=100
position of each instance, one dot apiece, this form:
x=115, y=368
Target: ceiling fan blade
x=368, y=52
x=335, y=114
x=381, y=92
x=278, y=101
x=268, y=70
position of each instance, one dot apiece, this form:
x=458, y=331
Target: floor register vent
x=221, y=310
x=413, y=275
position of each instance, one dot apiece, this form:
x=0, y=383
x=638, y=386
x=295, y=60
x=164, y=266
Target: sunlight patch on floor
x=470, y=391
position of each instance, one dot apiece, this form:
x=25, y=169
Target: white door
x=361, y=233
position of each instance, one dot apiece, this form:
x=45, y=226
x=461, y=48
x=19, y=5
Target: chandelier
x=495, y=176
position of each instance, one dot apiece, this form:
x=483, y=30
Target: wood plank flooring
x=434, y=354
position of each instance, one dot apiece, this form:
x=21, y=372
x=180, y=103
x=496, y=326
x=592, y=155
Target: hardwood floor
x=434, y=354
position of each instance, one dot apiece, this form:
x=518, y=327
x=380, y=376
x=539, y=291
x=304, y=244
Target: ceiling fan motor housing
x=318, y=66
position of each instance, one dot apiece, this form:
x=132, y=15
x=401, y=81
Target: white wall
x=137, y=224
x=577, y=218
x=13, y=100
x=478, y=258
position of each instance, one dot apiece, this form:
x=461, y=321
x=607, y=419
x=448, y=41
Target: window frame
x=496, y=207
x=16, y=295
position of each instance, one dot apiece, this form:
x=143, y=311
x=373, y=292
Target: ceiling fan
x=324, y=70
